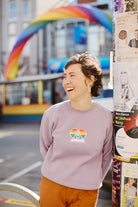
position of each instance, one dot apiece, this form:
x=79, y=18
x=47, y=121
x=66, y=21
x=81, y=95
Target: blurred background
x=38, y=81
x=38, y=84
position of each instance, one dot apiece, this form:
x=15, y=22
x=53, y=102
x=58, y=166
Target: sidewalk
x=105, y=197
x=17, y=195
x=104, y=203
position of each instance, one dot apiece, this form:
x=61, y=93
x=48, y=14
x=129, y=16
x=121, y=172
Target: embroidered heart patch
x=78, y=133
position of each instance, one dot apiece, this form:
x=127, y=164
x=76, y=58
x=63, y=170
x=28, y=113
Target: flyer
x=126, y=37
x=129, y=185
x=125, y=85
x=126, y=136
x=121, y=6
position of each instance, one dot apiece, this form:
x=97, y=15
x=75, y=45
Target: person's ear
x=91, y=83
x=92, y=78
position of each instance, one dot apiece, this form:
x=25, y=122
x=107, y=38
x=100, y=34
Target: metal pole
x=125, y=68
x=38, y=66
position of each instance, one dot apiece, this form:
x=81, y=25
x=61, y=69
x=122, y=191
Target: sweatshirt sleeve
x=45, y=134
x=107, y=149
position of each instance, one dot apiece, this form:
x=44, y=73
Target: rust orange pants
x=56, y=195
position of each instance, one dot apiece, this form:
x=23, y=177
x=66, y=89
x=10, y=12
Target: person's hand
x=126, y=187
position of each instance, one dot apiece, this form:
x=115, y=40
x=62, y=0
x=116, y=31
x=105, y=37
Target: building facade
x=15, y=16
x=54, y=44
x=58, y=40
x=64, y=38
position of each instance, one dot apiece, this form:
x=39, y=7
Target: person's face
x=136, y=35
x=131, y=181
x=124, y=78
x=75, y=83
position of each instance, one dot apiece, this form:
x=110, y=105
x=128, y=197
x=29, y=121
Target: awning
x=57, y=65
x=105, y=62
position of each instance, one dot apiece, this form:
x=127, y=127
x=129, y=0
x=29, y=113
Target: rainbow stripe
x=78, y=133
x=92, y=14
x=114, y=191
x=17, y=202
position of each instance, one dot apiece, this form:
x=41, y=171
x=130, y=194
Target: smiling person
x=76, y=139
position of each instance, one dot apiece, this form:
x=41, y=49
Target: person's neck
x=130, y=185
x=82, y=105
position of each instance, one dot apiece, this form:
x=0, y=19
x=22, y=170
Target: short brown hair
x=90, y=65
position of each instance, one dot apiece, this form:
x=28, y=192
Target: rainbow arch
x=92, y=14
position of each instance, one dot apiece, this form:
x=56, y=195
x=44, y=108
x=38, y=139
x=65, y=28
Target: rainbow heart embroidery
x=78, y=135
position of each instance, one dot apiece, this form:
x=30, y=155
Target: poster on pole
x=126, y=38
x=129, y=185
x=121, y=6
x=126, y=136
x=125, y=86
x=125, y=69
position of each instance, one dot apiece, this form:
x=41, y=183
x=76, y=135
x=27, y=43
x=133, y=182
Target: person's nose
x=67, y=80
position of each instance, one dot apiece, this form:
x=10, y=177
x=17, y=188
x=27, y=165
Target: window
x=25, y=25
x=47, y=91
x=22, y=93
x=26, y=93
x=27, y=49
x=25, y=10
x=11, y=42
x=12, y=10
x=12, y=28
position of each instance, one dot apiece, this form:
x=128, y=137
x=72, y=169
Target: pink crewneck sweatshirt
x=76, y=145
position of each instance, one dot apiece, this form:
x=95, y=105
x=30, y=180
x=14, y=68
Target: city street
x=20, y=161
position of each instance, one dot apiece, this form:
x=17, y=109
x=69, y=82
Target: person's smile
x=69, y=89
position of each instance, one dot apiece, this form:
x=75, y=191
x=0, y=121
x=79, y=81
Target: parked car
x=105, y=99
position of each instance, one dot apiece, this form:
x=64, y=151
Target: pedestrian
x=76, y=139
